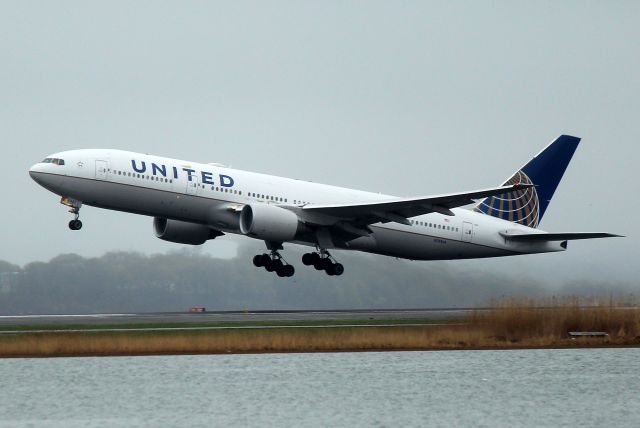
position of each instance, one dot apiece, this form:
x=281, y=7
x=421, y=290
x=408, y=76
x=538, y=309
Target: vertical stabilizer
x=544, y=171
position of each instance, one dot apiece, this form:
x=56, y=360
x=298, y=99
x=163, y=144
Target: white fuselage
x=213, y=195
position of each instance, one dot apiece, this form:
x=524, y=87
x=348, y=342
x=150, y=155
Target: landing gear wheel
x=274, y=265
x=330, y=270
x=285, y=271
x=269, y=266
x=338, y=269
x=308, y=258
x=289, y=270
x=75, y=225
x=264, y=259
x=280, y=272
x=273, y=261
x=322, y=260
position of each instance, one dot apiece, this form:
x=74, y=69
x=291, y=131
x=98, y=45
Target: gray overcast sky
x=406, y=98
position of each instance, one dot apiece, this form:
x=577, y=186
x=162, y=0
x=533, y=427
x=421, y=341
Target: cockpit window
x=55, y=161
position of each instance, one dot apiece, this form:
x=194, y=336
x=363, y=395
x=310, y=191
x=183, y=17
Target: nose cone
x=36, y=172
x=41, y=175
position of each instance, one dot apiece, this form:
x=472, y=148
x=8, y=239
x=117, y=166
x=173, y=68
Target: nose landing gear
x=322, y=260
x=75, y=224
x=74, y=208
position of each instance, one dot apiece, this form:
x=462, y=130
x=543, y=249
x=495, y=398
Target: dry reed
x=510, y=323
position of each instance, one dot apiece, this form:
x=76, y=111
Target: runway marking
x=248, y=327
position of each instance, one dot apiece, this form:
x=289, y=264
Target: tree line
x=121, y=282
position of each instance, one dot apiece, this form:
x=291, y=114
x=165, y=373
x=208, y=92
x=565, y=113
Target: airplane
x=192, y=203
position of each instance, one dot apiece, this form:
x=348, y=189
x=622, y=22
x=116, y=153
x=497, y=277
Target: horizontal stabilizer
x=542, y=237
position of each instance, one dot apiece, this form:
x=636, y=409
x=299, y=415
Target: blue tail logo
x=521, y=206
x=544, y=171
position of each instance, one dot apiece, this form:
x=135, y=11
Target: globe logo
x=520, y=206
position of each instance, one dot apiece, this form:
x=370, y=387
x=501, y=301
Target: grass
x=509, y=323
x=548, y=321
x=228, y=324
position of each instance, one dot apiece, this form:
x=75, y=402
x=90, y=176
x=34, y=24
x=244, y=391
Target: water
x=529, y=388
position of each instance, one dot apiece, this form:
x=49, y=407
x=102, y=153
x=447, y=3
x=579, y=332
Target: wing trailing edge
x=548, y=237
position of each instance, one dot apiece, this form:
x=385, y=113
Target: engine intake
x=182, y=232
x=268, y=222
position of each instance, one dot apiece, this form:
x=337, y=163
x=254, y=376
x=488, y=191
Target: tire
x=330, y=270
x=269, y=267
x=318, y=264
x=274, y=265
x=289, y=270
x=265, y=259
x=281, y=271
x=72, y=225
x=307, y=259
x=257, y=260
x=78, y=225
x=326, y=264
x=338, y=269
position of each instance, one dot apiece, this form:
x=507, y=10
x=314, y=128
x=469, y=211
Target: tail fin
x=544, y=171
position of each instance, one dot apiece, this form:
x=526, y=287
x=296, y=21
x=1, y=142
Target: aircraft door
x=193, y=186
x=467, y=231
x=101, y=169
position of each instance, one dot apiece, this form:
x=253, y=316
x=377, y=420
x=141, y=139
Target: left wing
x=399, y=210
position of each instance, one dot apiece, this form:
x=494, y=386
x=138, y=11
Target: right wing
x=397, y=210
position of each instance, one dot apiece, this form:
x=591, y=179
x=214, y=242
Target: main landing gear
x=323, y=261
x=274, y=262
x=74, y=208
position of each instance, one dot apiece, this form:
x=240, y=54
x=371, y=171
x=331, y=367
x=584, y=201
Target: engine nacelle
x=268, y=222
x=182, y=232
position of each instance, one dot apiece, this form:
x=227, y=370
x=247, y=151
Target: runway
x=233, y=317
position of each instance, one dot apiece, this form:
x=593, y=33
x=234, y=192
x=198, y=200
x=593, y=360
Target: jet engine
x=182, y=232
x=268, y=222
